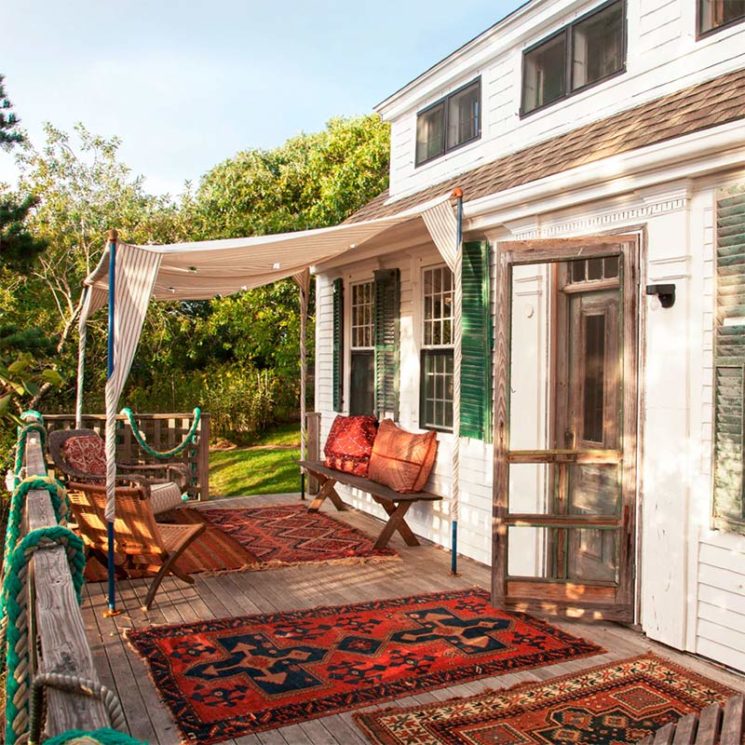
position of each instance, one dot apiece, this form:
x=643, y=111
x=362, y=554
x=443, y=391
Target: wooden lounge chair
x=166, y=482
x=715, y=725
x=140, y=542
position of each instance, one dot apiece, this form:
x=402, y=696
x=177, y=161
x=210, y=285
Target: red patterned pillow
x=85, y=453
x=350, y=443
x=402, y=460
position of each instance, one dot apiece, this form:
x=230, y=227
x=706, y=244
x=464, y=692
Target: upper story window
x=436, y=385
x=586, y=52
x=449, y=123
x=716, y=14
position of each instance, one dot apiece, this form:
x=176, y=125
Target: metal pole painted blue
x=458, y=194
x=109, y=372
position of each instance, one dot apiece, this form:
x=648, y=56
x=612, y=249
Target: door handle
x=570, y=439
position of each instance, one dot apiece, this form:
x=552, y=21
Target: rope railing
x=59, y=560
x=163, y=454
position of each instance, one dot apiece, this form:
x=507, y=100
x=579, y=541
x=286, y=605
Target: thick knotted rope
x=97, y=737
x=14, y=638
x=60, y=503
x=35, y=424
x=71, y=684
x=165, y=454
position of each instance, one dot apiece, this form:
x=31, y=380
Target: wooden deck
x=422, y=569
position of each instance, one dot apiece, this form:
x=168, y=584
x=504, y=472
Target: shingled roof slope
x=692, y=109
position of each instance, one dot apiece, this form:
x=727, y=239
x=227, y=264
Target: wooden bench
x=712, y=727
x=395, y=504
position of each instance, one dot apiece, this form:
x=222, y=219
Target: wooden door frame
x=513, y=253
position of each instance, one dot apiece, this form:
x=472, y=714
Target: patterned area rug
x=226, y=678
x=615, y=704
x=263, y=538
x=288, y=534
x=213, y=551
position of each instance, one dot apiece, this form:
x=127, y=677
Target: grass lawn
x=269, y=467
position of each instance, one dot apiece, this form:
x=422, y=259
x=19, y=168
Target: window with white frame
x=436, y=383
x=362, y=350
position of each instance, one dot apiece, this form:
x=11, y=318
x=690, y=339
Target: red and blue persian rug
x=284, y=535
x=615, y=704
x=226, y=678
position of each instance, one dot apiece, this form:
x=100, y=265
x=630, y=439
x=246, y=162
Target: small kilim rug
x=226, y=678
x=615, y=704
x=288, y=534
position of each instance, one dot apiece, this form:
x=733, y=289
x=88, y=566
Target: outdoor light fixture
x=665, y=294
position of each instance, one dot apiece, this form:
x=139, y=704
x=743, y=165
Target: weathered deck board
x=422, y=569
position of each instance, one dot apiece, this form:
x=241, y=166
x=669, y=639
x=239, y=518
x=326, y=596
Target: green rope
x=23, y=433
x=14, y=628
x=60, y=503
x=103, y=736
x=164, y=455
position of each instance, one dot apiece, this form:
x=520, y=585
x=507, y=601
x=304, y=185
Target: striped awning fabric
x=197, y=271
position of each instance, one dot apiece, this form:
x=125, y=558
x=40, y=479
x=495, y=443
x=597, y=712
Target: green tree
x=18, y=247
x=312, y=181
x=21, y=350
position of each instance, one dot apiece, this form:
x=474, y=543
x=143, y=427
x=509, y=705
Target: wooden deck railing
x=162, y=432
x=57, y=620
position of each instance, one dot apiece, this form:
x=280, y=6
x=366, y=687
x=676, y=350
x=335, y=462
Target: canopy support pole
x=111, y=421
x=82, y=339
x=303, y=282
x=457, y=358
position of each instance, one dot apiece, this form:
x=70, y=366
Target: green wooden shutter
x=729, y=361
x=337, y=375
x=476, y=363
x=387, y=347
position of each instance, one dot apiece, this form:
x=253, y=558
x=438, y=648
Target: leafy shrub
x=241, y=400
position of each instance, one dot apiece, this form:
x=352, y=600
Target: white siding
x=663, y=55
x=717, y=585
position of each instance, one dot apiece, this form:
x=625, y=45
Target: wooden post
x=313, y=422
x=203, y=457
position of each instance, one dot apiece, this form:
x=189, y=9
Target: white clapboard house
x=600, y=149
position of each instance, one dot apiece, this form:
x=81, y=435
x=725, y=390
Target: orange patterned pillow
x=402, y=460
x=85, y=453
x=350, y=443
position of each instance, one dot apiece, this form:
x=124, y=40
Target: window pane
x=597, y=45
x=362, y=315
x=362, y=394
x=594, y=382
x=545, y=73
x=594, y=269
x=611, y=267
x=716, y=13
x=464, y=115
x=578, y=271
x=430, y=133
x=437, y=383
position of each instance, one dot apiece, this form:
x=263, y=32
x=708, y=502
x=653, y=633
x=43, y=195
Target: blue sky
x=187, y=84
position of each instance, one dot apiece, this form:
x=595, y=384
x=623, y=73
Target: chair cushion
x=85, y=453
x=164, y=497
x=350, y=443
x=402, y=460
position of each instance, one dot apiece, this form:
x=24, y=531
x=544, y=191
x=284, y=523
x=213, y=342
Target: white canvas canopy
x=202, y=270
